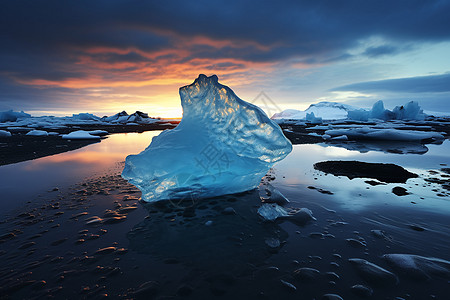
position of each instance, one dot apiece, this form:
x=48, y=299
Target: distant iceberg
x=325, y=110
x=337, y=111
x=409, y=111
x=223, y=145
x=12, y=116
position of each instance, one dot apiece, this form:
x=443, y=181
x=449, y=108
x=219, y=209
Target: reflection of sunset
x=133, y=79
x=97, y=156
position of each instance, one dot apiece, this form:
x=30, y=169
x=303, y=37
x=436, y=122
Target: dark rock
x=388, y=173
x=400, y=191
x=361, y=291
x=306, y=274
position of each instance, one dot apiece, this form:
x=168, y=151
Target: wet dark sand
x=96, y=239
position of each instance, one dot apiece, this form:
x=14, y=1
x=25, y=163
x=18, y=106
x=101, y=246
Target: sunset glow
x=136, y=57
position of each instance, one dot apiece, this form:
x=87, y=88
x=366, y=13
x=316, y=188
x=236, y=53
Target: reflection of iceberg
x=205, y=234
x=381, y=146
x=390, y=134
x=409, y=111
x=223, y=145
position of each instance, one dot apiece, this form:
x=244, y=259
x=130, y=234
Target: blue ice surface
x=223, y=145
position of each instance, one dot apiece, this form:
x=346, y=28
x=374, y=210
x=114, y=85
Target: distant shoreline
x=20, y=147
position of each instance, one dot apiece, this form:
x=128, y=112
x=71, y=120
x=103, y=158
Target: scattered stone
x=361, y=291
x=288, y=285
x=27, y=245
x=316, y=235
x=79, y=215
x=58, y=242
x=229, y=211
x=356, y=243
x=372, y=273
x=332, y=276
x=106, y=250
x=416, y=227
x=400, y=191
x=306, y=274
x=147, y=290
x=267, y=273
x=331, y=297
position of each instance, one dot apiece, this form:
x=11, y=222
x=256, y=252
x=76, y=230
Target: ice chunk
x=80, y=135
x=325, y=110
x=98, y=132
x=37, y=133
x=272, y=211
x=358, y=115
x=367, y=133
x=223, y=145
x=85, y=117
x=313, y=119
x=409, y=111
x=12, y=116
x=4, y=133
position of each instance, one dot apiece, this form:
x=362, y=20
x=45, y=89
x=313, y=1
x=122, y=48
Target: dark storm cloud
x=420, y=84
x=297, y=27
x=47, y=40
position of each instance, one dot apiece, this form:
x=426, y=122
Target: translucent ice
x=409, y=111
x=223, y=145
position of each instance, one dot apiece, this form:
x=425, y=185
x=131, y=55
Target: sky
x=63, y=57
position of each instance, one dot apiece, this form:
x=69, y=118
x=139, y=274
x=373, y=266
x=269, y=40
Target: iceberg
x=325, y=110
x=223, y=145
x=339, y=111
x=409, y=111
x=12, y=116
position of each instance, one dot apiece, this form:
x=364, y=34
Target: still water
x=166, y=249
x=24, y=181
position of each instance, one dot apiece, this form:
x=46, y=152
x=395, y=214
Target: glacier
x=339, y=111
x=223, y=145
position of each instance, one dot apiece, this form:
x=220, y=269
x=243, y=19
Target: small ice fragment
x=275, y=196
x=4, y=133
x=272, y=211
x=272, y=242
x=37, y=133
x=208, y=223
x=302, y=217
x=340, y=138
x=289, y=285
x=80, y=135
